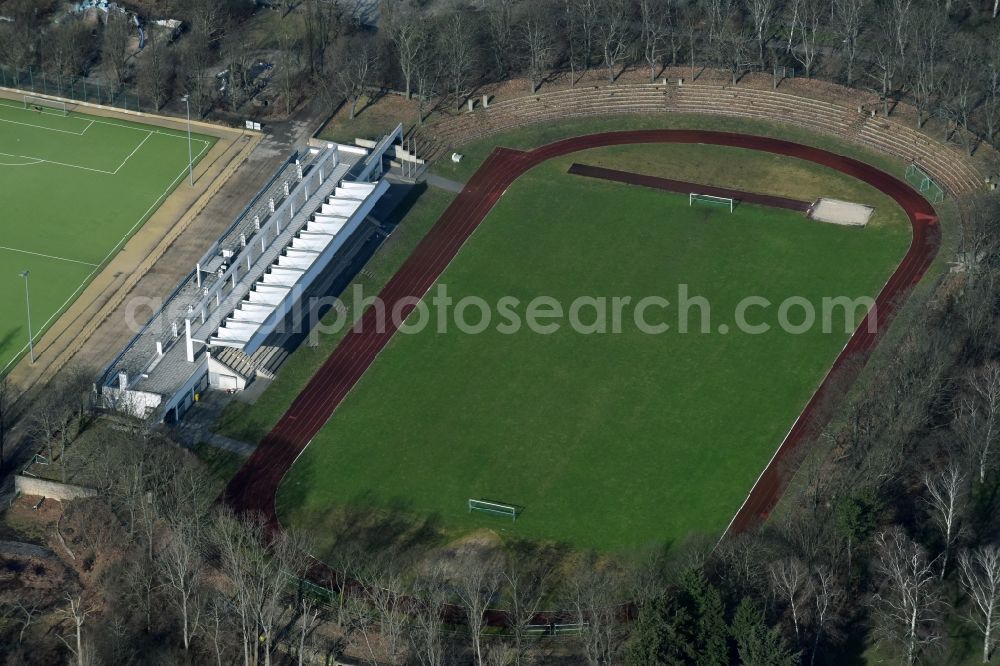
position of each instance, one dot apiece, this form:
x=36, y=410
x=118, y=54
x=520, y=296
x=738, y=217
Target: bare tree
x=115, y=46
x=218, y=623
x=258, y=583
x=908, y=602
x=426, y=75
x=181, y=565
x=457, y=48
x=26, y=611
x=19, y=39
x=237, y=54
x=732, y=46
x=945, y=494
x=961, y=87
x=141, y=585
x=385, y=590
x=48, y=416
x=884, y=58
x=207, y=21
x=980, y=576
x=6, y=413
x=408, y=32
x=309, y=613
x=584, y=18
x=500, y=23
x=289, y=66
x=825, y=594
x=929, y=35
x=355, y=68
x=77, y=613
x=66, y=48
x=978, y=421
x=477, y=583
x=322, y=23
x=761, y=17
x=849, y=16
x=791, y=582
x=811, y=17
x=718, y=13
x=592, y=593
x=655, y=17
x=614, y=35
x=425, y=630
x=991, y=86
x=192, y=80
x=156, y=69
x=570, y=28
x=536, y=38
x=525, y=587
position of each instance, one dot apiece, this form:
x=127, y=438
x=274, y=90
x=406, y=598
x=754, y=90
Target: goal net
x=494, y=508
x=45, y=105
x=923, y=182
x=694, y=198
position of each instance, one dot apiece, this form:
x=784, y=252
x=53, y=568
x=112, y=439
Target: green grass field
x=609, y=441
x=74, y=189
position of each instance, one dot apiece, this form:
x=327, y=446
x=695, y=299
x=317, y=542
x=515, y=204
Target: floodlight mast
x=187, y=104
x=27, y=302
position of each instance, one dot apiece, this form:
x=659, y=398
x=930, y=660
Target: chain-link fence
x=80, y=89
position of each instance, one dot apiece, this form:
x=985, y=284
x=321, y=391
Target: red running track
x=253, y=488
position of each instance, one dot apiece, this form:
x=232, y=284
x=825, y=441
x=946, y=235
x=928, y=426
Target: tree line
x=941, y=56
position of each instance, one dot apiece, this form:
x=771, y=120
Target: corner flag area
x=74, y=188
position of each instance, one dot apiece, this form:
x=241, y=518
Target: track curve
x=254, y=486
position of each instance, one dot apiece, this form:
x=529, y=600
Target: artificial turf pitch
x=609, y=441
x=73, y=189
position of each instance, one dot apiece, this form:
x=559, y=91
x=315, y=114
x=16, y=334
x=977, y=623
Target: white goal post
x=708, y=198
x=493, y=507
x=45, y=104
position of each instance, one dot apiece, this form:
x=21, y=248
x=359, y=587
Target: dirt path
x=254, y=486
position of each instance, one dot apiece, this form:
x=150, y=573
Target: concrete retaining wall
x=29, y=485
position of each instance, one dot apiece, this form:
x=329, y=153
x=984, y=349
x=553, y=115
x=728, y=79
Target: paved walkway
x=195, y=427
x=434, y=180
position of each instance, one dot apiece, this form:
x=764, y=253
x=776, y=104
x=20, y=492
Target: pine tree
x=664, y=635
x=756, y=643
x=706, y=605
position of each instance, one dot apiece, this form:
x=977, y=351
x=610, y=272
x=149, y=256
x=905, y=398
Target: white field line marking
x=81, y=133
x=63, y=164
x=43, y=127
x=47, y=256
x=132, y=153
x=38, y=160
x=121, y=242
x=15, y=164
x=177, y=134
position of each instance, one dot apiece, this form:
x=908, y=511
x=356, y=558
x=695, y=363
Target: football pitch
x=74, y=188
x=605, y=440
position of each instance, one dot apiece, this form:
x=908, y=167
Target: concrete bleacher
x=948, y=166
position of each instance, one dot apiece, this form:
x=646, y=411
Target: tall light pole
x=187, y=103
x=27, y=302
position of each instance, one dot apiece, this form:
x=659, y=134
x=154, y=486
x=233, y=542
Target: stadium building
x=217, y=327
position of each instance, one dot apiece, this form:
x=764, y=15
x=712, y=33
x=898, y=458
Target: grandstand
x=248, y=282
